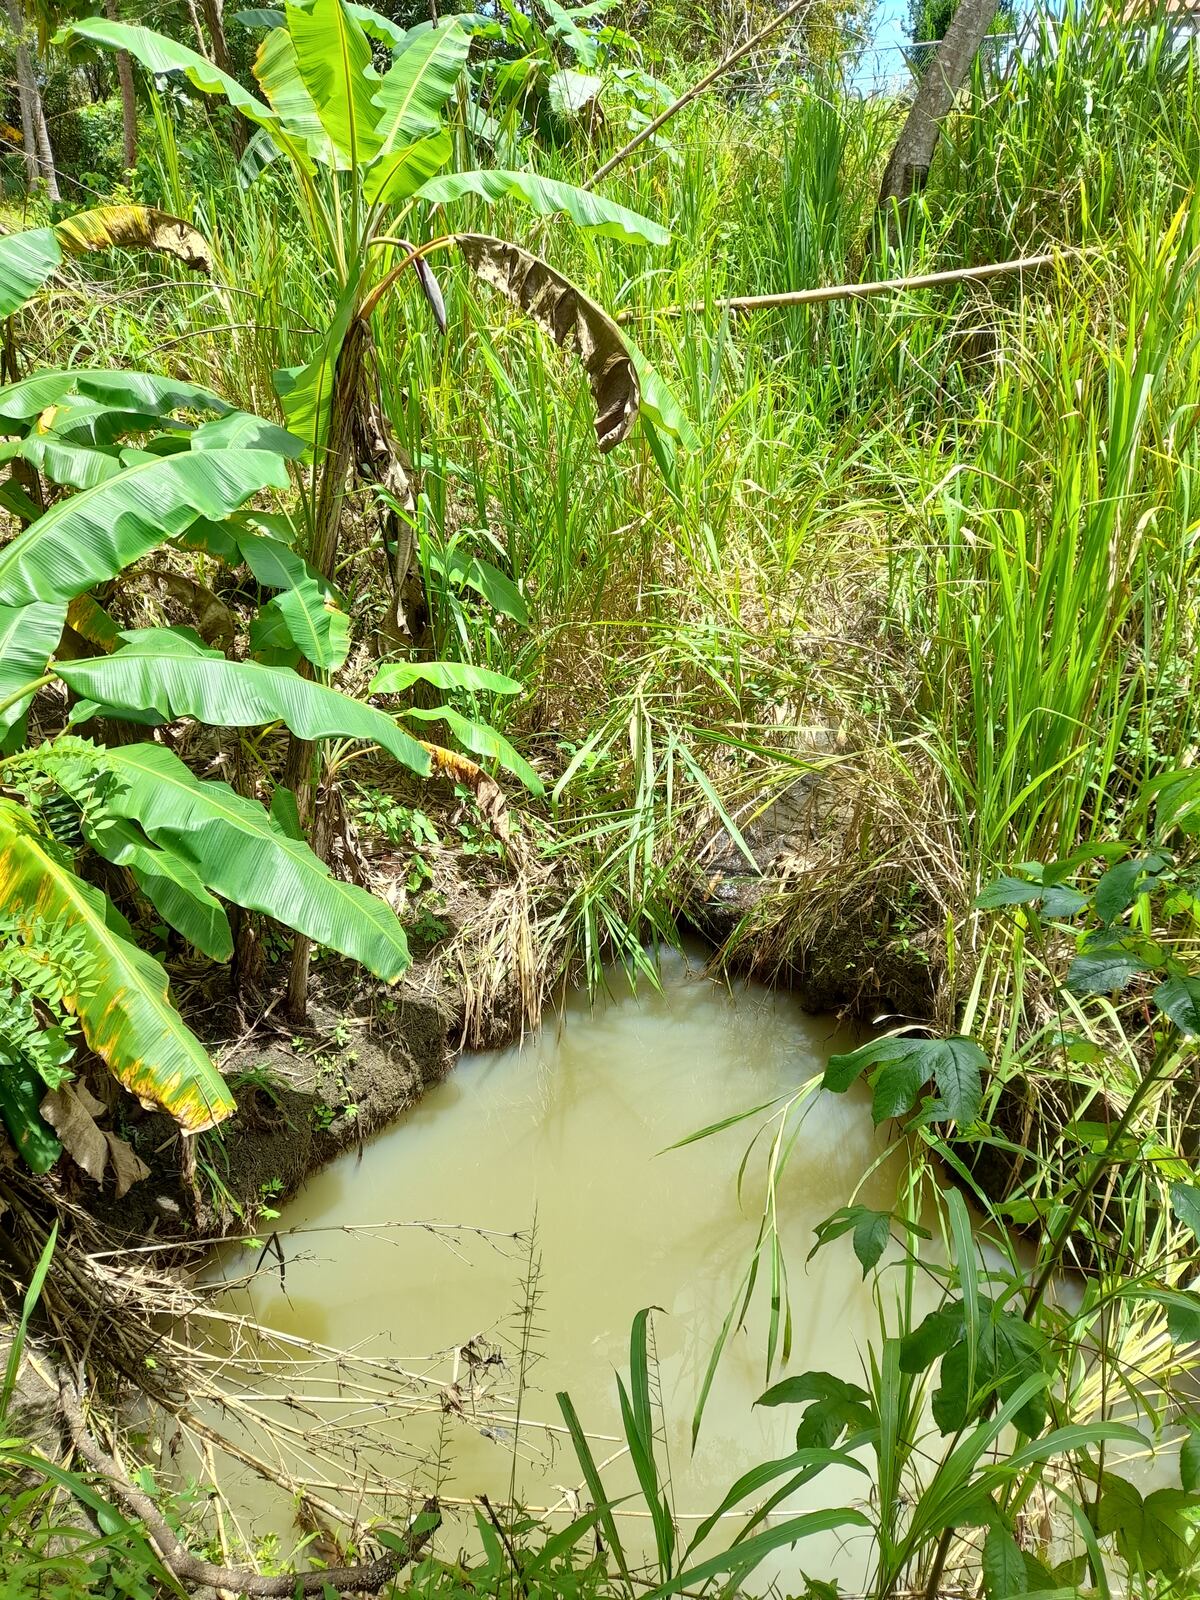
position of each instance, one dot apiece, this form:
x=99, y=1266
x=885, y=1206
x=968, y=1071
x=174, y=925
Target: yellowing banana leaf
x=243, y=853
x=135, y=228
x=334, y=57
x=572, y=320
x=545, y=196
x=93, y=535
x=160, y=55
x=123, y=1009
x=28, y=635
x=161, y=671
x=482, y=741
x=26, y=261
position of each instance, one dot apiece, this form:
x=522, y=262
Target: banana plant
x=366, y=145
x=153, y=461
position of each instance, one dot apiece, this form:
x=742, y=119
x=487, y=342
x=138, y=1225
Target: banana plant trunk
x=912, y=156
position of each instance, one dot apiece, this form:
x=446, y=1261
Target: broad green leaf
x=412, y=94
x=160, y=55
x=1106, y=970
x=75, y=466
x=1189, y=1455
x=278, y=73
x=243, y=853
x=469, y=572
x=569, y=92
x=659, y=405
x=905, y=1065
x=28, y=636
x=1005, y=891
x=155, y=674
x=397, y=676
x=334, y=57
x=26, y=261
x=167, y=880
x=306, y=606
x=137, y=392
x=481, y=741
x=1179, y=999
x=832, y=1407
x=1003, y=1565
x=93, y=535
x=123, y=1009
x=21, y=1092
x=546, y=196
x=1185, y=1203
x=398, y=175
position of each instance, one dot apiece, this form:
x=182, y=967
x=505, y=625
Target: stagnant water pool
x=572, y=1131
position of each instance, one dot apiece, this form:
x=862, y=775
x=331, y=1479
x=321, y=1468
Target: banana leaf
x=123, y=1006
x=243, y=853
x=168, y=881
x=93, y=535
x=546, y=196
x=28, y=635
x=139, y=392
x=413, y=93
x=334, y=57
x=164, y=672
x=26, y=261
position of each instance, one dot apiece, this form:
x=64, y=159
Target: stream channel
x=573, y=1130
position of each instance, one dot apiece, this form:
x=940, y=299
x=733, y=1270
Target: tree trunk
x=128, y=96
x=201, y=41
x=214, y=17
x=910, y=161
x=35, y=136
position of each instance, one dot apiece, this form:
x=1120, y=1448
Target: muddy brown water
x=571, y=1133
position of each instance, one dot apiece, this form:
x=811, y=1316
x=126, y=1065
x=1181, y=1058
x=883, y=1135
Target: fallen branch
x=695, y=91
x=860, y=291
x=367, y=1578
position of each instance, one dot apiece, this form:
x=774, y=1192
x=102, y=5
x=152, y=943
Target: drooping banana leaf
x=135, y=228
x=278, y=73
x=168, y=881
x=163, y=671
x=244, y=854
x=93, y=535
x=335, y=61
x=242, y=430
x=306, y=605
x=159, y=55
x=378, y=27
x=135, y=392
x=26, y=261
x=546, y=196
x=572, y=320
x=481, y=741
x=412, y=94
x=123, y=1007
x=397, y=676
x=76, y=466
x=28, y=635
